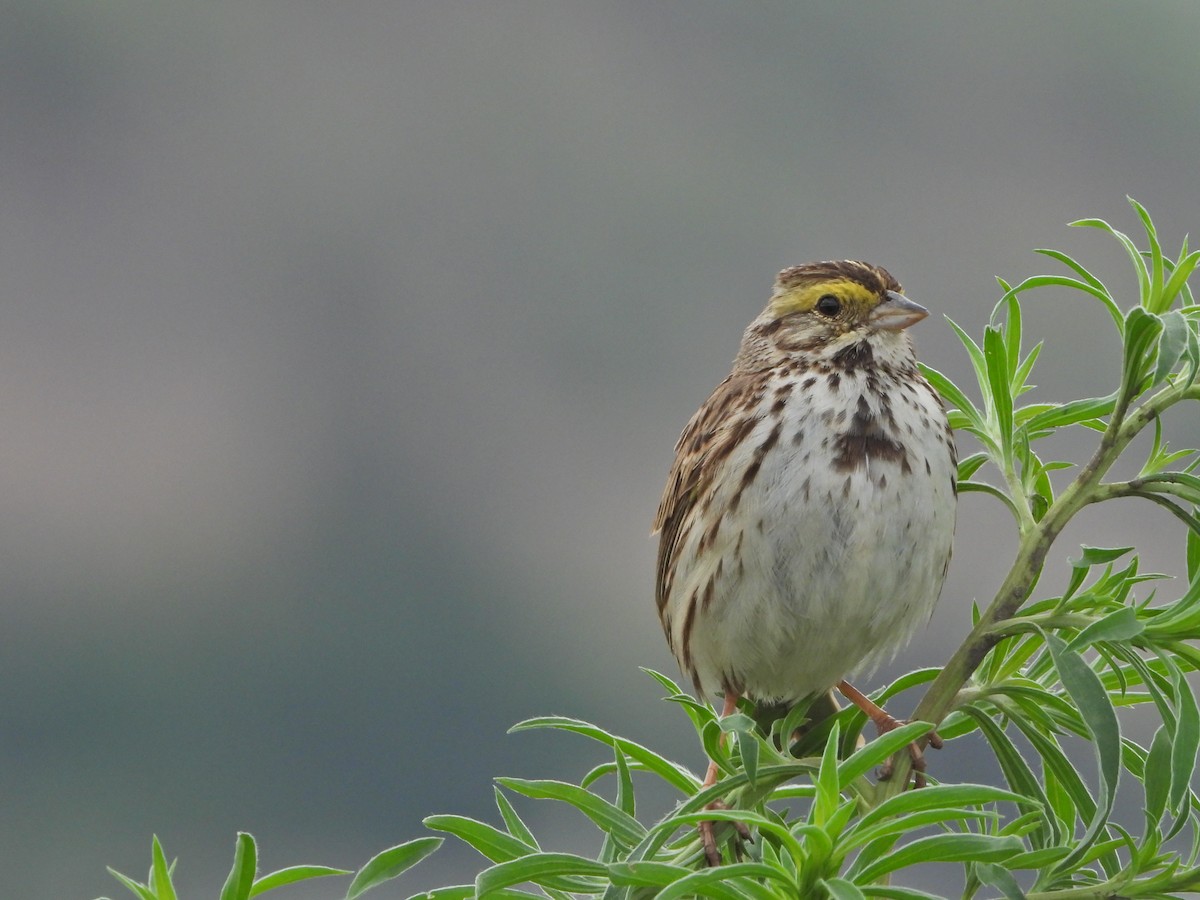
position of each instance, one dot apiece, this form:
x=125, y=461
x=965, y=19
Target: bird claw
x=916, y=754
x=885, y=722
x=712, y=853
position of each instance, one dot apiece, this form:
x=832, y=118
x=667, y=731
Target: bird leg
x=707, y=837
x=885, y=722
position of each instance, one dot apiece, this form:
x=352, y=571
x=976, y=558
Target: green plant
x=1035, y=674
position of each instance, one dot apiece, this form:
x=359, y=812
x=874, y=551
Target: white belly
x=837, y=568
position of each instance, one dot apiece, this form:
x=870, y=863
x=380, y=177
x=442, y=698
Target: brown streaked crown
x=873, y=278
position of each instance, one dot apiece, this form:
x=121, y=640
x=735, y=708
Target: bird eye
x=829, y=305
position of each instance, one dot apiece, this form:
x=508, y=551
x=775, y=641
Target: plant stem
x=940, y=699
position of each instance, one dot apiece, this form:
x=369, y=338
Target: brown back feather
x=710, y=436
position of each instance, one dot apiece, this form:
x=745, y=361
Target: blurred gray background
x=343, y=348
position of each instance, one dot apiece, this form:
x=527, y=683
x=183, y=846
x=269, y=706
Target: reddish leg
x=885, y=722
x=707, y=838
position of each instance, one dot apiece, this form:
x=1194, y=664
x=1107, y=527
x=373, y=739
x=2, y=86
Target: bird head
x=823, y=308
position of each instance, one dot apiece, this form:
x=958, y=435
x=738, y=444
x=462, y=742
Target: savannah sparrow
x=806, y=525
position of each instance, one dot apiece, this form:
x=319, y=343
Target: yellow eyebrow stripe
x=805, y=296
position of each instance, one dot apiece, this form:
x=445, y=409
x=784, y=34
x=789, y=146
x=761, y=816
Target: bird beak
x=896, y=312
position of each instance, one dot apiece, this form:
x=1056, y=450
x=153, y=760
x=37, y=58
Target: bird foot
x=712, y=853
x=885, y=722
x=915, y=753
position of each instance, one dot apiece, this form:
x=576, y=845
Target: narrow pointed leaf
x=467, y=892
x=1172, y=344
x=626, y=800
x=136, y=887
x=1185, y=742
x=512, y=821
x=160, y=873
x=729, y=882
x=1155, y=300
x=841, y=889
x=1001, y=879
x=1098, y=715
x=291, y=875
x=496, y=845
x=944, y=848
x=607, y=817
x=240, y=882
x=1135, y=256
x=1099, y=293
x=646, y=873
x=1180, y=273
x=673, y=773
x=538, y=868
x=1000, y=385
x=1120, y=625
x=1157, y=777
x=877, y=751
x=952, y=394
x=388, y=864
x=828, y=794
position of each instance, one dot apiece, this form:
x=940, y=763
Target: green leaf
x=999, y=877
x=1016, y=770
x=884, y=833
x=512, y=821
x=969, y=465
x=897, y=893
x=160, y=873
x=1038, y=281
x=728, y=882
x=1172, y=344
x=974, y=352
x=1098, y=715
x=606, y=816
x=1157, y=777
x=1141, y=331
x=1185, y=742
x=1097, y=288
x=877, y=751
x=291, y=875
x=953, y=395
x=1131, y=249
x=496, y=845
x=841, y=889
x=672, y=688
x=541, y=869
x=467, y=892
x=386, y=865
x=1155, y=300
x=943, y=848
x=1062, y=771
x=1121, y=625
x=982, y=487
x=828, y=794
x=626, y=801
x=672, y=773
x=1193, y=554
x=135, y=887
x=939, y=797
x=1036, y=859
x=1077, y=412
x=1000, y=385
x=646, y=873
x=1021, y=373
x=1012, y=334
x=1181, y=272
x=1091, y=556
x=245, y=863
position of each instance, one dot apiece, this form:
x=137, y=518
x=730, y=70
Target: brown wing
x=710, y=436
